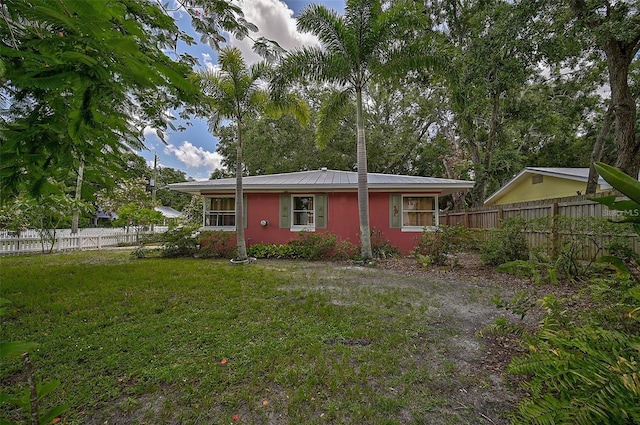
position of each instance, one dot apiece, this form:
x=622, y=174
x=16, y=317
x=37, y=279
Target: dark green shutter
x=395, y=210
x=321, y=211
x=285, y=213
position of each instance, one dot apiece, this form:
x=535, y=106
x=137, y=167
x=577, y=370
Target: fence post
x=555, y=234
x=467, y=220
x=500, y=217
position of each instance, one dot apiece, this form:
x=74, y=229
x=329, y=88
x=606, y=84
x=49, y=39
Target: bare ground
x=469, y=362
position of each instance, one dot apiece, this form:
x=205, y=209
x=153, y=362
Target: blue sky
x=193, y=150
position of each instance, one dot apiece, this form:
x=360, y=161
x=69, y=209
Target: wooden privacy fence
x=575, y=207
x=29, y=241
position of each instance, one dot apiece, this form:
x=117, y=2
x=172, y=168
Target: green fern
x=580, y=375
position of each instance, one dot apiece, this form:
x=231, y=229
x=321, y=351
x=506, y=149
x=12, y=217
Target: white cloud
x=275, y=21
x=149, y=131
x=209, y=62
x=194, y=156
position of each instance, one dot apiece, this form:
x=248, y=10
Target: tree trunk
x=363, y=186
x=34, y=400
x=78, y=197
x=458, y=198
x=596, y=153
x=618, y=61
x=483, y=162
x=242, y=247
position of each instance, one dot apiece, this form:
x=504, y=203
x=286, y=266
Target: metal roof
x=168, y=212
x=579, y=174
x=326, y=180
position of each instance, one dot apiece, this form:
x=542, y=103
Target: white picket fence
x=29, y=241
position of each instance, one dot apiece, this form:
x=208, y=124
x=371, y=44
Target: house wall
x=550, y=187
x=379, y=219
x=342, y=219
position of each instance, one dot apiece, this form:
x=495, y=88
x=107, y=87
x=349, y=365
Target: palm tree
x=234, y=92
x=366, y=42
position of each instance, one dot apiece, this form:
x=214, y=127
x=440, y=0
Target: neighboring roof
x=324, y=179
x=577, y=174
x=168, y=212
x=109, y=215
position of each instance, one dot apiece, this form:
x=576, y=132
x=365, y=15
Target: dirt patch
x=468, y=362
x=480, y=391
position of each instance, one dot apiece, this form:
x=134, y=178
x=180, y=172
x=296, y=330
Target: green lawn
x=199, y=341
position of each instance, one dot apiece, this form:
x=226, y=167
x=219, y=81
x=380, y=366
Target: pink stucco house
x=277, y=206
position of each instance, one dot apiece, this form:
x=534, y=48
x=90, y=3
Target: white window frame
x=434, y=211
x=206, y=212
x=305, y=227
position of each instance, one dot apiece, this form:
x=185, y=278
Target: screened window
x=220, y=212
x=419, y=211
x=303, y=211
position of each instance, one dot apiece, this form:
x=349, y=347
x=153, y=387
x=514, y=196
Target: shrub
x=308, y=246
x=436, y=246
x=314, y=246
x=345, y=250
x=577, y=242
x=179, y=242
x=139, y=252
x=505, y=244
x=381, y=247
x=217, y=244
x=538, y=272
x=520, y=268
x=263, y=250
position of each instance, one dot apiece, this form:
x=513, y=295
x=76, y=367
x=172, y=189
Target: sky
x=194, y=150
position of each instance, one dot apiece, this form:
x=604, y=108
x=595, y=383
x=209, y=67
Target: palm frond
x=420, y=57
x=332, y=111
x=231, y=62
x=289, y=104
x=326, y=24
x=314, y=64
x=362, y=16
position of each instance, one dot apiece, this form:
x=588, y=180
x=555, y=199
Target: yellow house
x=536, y=183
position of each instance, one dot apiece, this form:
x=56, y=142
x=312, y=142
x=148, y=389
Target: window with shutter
x=413, y=213
x=303, y=212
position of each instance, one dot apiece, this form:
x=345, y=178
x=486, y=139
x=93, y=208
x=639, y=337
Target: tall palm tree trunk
x=242, y=246
x=363, y=186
